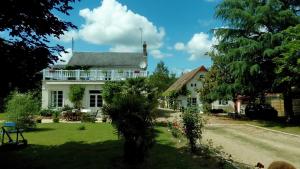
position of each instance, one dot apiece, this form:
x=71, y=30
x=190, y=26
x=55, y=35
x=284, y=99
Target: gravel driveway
x=249, y=145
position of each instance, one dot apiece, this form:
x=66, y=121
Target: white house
x=98, y=68
x=189, y=82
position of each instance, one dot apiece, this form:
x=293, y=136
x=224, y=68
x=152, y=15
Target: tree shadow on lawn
x=81, y=155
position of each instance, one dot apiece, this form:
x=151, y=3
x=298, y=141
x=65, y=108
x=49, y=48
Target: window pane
x=99, y=101
x=92, y=100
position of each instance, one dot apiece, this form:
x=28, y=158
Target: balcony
x=92, y=75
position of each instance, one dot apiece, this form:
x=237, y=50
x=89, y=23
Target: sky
x=178, y=32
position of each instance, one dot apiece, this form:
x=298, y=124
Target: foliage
x=193, y=125
x=21, y=108
x=161, y=79
x=66, y=108
x=249, y=50
x=175, y=129
x=55, y=116
x=131, y=114
x=82, y=127
x=24, y=45
x=76, y=95
x=110, y=89
x=87, y=118
x=55, y=120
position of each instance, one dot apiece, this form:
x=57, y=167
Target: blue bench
x=7, y=129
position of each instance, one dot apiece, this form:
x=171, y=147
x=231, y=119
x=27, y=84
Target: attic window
x=201, y=75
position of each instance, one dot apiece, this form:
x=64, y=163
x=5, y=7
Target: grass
x=288, y=128
x=3, y=116
x=63, y=146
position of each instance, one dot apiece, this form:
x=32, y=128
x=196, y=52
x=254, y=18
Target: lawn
x=64, y=146
x=3, y=116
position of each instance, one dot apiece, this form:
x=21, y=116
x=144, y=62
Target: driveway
x=249, y=144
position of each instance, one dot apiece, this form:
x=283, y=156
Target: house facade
x=91, y=70
x=186, y=87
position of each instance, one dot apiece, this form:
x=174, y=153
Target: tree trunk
x=288, y=104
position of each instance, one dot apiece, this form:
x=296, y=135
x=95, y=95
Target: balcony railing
x=92, y=75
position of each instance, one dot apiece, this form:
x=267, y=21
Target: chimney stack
x=145, y=49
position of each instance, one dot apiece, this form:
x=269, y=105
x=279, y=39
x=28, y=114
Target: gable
x=185, y=78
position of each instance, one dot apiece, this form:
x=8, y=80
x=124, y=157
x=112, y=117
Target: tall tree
x=25, y=50
x=247, y=42
x=161, y=78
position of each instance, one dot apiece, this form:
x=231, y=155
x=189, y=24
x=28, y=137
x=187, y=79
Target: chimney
x=145, y=49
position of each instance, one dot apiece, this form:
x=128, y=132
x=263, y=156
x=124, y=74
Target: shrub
x=193, y=125
x=87, y=118
x=56, y=120
x=131, y=114
x=76, y=95
x=82, y=127
x=46, y=112
x=21, y=108
x=66, y=108
x=260, y=111
x=55, y=116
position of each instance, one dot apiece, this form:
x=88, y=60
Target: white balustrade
x=92, y=75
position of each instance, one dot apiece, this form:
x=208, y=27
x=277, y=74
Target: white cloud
x=197, y=46
x=65, y=57
x=179, y=46
x=157, y=54
x=114, y=24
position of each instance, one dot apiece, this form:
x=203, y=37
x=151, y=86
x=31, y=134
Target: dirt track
x=249, y=145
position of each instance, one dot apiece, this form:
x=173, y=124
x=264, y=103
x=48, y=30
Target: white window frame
x=54, y=98
x=95, y=94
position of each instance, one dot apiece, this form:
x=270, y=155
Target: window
x=56, y=99
x=201, y=75
x=195, y=84
x=194, y=101
x=95, y=98
x=189, y=101
x=192, y=84
x=223, y=102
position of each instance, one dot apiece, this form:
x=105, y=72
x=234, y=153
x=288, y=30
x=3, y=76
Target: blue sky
x=176, y=31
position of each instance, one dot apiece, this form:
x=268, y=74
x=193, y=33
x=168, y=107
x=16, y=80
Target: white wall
x=193, y=91
x=47, y=88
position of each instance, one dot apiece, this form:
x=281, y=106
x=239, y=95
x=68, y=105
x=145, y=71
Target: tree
x=76, y=95
x=131, y=114
x=161, y=79
x=24, y=45
x=246, y=46
x=22, y=108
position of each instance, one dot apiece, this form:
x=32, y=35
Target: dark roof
x=184, y=79
x=108, y=59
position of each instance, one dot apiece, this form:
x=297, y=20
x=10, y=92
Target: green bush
x=56, y=120
x=66, y=108
x=76, y=95
x=193, y=125
x=82, y=127
x=131, y=114
x=21, y=108
x=87, y=118
x=46, y=112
